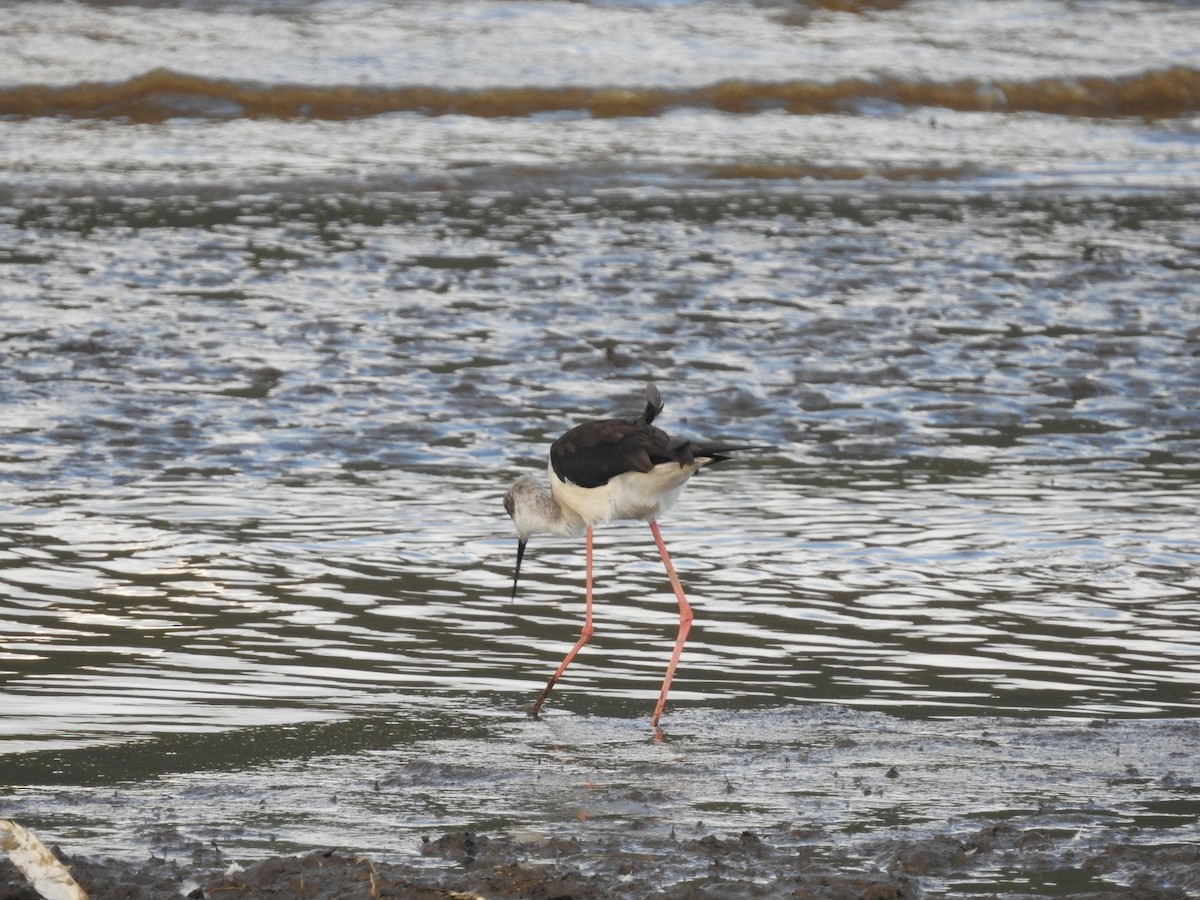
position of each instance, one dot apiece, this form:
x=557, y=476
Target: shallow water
x=261, y=480
x=268, y=371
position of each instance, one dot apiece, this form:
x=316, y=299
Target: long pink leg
x=583, y=637
x=685, y=623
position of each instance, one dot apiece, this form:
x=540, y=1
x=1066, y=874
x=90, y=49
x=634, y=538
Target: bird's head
x=521, y=503
x=533, y=509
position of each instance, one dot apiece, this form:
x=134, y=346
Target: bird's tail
x=654, y=403
x=716, y=453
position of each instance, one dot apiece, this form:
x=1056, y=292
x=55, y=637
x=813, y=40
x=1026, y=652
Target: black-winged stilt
x=606, y=470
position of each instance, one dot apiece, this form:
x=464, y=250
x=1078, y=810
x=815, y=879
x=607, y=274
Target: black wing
x=590, y=454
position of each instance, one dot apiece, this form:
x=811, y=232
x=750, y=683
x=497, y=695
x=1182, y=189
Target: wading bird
x=600, y=472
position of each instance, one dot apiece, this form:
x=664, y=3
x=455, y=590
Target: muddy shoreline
x=802, y=803
x=733, y=866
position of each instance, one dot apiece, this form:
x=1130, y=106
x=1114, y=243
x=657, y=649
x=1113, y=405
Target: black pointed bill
x=517, y=570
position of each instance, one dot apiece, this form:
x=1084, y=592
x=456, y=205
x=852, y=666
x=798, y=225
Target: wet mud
x=817, y=803
x=731, y=866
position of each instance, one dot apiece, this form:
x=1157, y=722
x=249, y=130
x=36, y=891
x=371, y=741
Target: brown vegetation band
x=163, y=94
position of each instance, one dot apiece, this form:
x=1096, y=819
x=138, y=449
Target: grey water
x=265, y=378
x=254, y=453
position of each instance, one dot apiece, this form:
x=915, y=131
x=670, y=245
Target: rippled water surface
x=276, y=338
x=254, y=464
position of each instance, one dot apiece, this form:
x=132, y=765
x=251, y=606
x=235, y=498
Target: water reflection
x=143, y=613
x=241, y=493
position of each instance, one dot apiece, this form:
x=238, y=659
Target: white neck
x=535, y=511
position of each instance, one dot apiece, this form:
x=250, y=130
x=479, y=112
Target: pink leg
x=583, y=637
x=685, y=623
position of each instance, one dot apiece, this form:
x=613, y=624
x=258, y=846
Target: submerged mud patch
x=812, y=803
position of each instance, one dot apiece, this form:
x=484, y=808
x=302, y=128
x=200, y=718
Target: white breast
x=632, y=495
